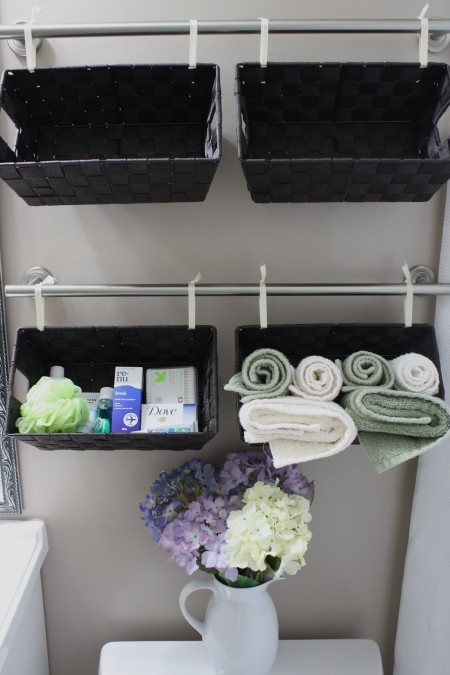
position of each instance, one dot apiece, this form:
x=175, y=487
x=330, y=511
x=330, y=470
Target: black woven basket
x=112, y=134
x=89, y=356
x=337, y=341
x=342, y=132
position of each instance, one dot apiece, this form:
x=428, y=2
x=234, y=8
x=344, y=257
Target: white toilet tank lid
x=23, y=547
x=318, y=657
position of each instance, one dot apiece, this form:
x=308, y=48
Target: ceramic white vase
x=240, y=630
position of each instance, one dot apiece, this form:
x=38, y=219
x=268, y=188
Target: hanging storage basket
x=89, y=356
x=112, y=134
x=342, y=132
x=337, y=341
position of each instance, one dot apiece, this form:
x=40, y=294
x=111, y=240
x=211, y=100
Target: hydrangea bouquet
x=246, y=523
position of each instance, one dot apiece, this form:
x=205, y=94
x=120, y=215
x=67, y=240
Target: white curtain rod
x=159, y=290
x=436, y=27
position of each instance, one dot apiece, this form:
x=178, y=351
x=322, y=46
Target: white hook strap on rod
x=264, y=42
x=263, y=298
x=423, y=38
x=409, y=297
x=40, y=309
x=193, y=33
x=30, y=42
x=191, y=301
x=40, y=302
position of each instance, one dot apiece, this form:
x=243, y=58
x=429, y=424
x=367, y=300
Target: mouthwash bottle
x=102, y=424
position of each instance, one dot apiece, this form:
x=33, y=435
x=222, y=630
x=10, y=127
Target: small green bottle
x=102, y=424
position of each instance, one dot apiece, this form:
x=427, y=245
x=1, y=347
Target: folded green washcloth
x=394, y=426
x=265, y=373
x=365, y=369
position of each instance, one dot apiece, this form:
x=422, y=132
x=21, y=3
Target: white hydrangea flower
x=271, y=523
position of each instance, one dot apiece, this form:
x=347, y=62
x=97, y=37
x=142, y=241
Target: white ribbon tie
x=263, y=298
x=409, y=297
x=193, y=33
x=191, y=301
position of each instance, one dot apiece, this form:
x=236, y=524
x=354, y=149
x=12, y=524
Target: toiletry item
x=56, y=372
x=171, y=385
x=126, y=416
x=171, y=395
x=92, y=399
x=53, y=405
x=102, y=424
x=169, y=418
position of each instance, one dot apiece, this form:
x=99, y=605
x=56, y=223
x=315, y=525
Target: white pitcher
x=240, y=630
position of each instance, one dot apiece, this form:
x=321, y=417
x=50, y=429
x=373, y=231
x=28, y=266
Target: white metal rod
x=157, y=290
x=436, y=26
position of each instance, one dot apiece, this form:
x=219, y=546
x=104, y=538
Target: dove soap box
x=127, y=399
x=171, y=395
x=169, y=418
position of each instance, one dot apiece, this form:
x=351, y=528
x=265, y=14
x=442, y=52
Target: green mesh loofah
x=53, y=406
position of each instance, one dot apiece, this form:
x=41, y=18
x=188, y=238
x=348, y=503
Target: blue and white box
x=127, y=400
x=169, y=418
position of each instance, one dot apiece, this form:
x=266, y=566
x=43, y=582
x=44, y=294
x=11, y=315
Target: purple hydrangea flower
x=214, y=557
x=199, y=529
x=243, y=469
x=182, y=540
x=171, y=493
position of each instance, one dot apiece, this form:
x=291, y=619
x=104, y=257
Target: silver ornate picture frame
x=10, y=501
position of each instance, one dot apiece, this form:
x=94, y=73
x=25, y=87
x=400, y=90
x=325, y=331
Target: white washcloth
x=417, y=373
x=316, y=378
x=297, y=430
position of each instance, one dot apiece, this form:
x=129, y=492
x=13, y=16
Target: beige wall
x=103, y=578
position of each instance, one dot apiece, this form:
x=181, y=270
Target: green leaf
x=241, y=581
x=273, y=563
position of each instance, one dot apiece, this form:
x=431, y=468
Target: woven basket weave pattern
x=89, y=356
x=112, y=134
x=342, y=132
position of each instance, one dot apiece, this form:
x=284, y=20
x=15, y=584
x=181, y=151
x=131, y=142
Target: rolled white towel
x=416, y=373
x=297, y=430
x=316, y=378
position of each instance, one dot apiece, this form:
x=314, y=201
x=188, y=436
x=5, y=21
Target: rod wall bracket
x=35, y=275
x=17, y=45
x=421, y=274
x=437, y=41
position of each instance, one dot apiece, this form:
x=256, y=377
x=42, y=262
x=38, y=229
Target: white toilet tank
x=23, y=645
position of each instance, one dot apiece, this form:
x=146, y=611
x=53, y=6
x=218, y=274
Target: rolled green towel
x=265, y=373
x=365, y=369
x=394, y=426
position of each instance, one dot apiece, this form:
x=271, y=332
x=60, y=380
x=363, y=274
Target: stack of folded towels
x=390, y=405
x=393, y=406
x=306, y=426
